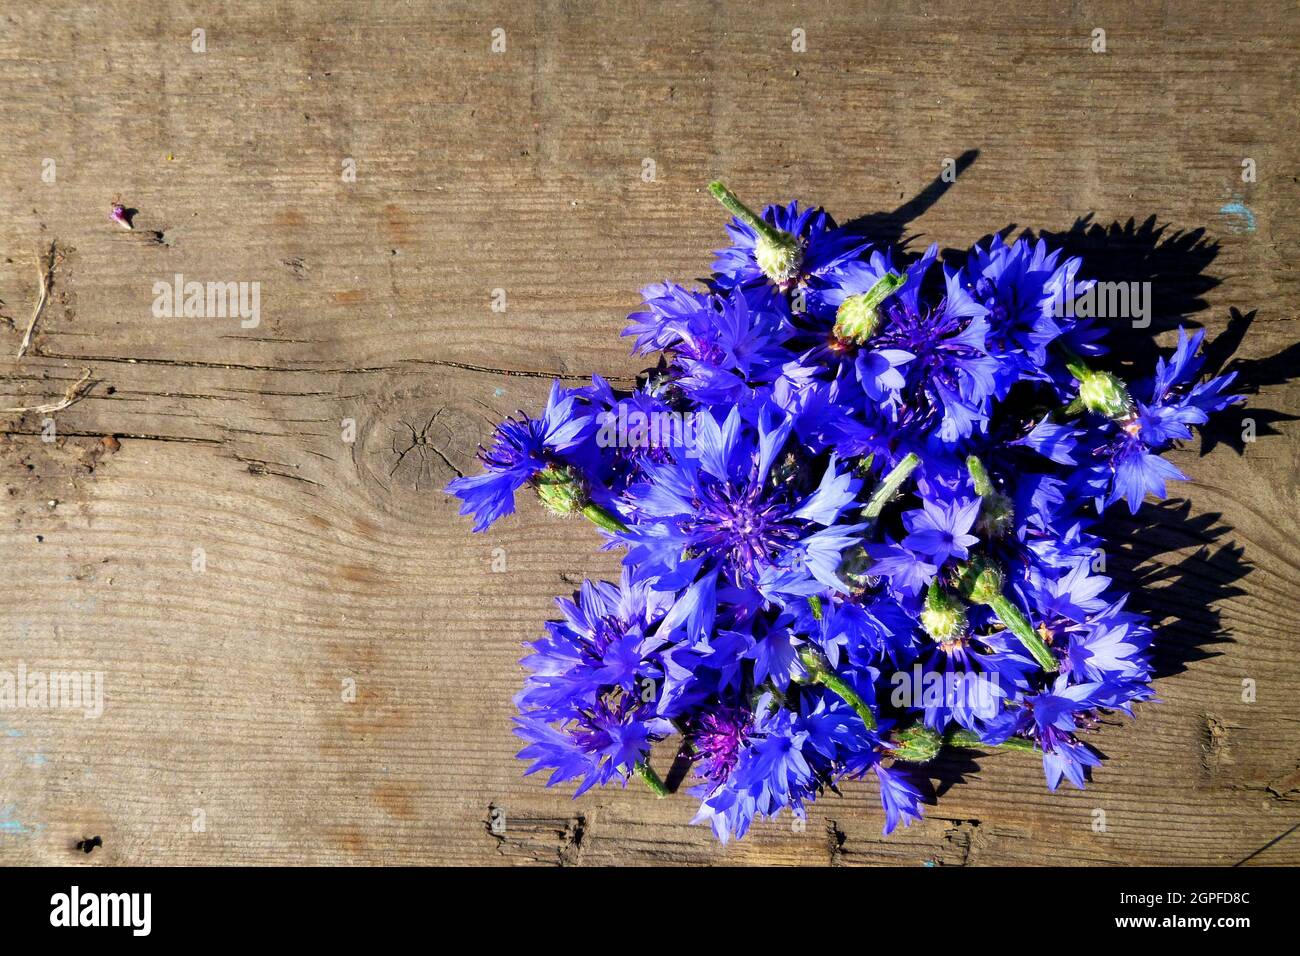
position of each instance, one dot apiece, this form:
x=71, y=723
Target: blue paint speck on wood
x=1242, y=210
x=12, y=825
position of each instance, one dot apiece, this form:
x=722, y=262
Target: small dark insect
x=86, y=845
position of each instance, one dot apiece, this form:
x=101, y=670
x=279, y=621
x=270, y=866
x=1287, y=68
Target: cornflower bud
x=778, y=253
x=859, y=315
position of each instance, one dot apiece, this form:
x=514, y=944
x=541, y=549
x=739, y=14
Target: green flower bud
x=1104, y=394
x=979, y=476
x=778, y=253
x=916, y=744
x=779, y=256
x=858, y=316
x=856, y=319
x=943, y=617
x=1099, y=392
x=979, y=580
x=561, y=489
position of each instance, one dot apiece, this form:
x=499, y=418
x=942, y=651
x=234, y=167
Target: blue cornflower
x=959, y=680
x=951, y=372
x=756, y=762
x=740, y=351
x=602, y=644
x=776, y=657
x=809, y=244
x=1051, y=719
x=1068, y=758
x=673, y=316
x=723, y=508
x=775, y=606
x=1074, y=595
x=828, y=293
x=1026, y=289
x=754, y=770
x=1138, y=473
x=521, y=449
x=633, y=429
x=1163, y=409
x=601, y=744
x=1051, y=440
x=941, y=530
x=722, y=345
x=1111, y=645
x=718, y=737
x=908, y=572
x=879, y=373
x=873, y=629
x=822, y=421
x=901, y=800
x=583, y=708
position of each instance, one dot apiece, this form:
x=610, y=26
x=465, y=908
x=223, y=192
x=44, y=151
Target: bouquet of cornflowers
x=854, y=500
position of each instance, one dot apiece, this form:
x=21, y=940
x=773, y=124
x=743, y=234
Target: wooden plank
x=328, y=560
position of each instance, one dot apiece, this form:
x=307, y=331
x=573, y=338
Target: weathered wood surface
x=328, y=560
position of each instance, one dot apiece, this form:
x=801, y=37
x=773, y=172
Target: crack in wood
x=835, y=840
x=423, y=445
x=324, y=369
x=962, y=835
x=1214, y=742
x=552, y=841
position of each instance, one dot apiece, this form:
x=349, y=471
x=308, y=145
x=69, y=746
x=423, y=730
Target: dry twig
x=74, y=394
x=45, y=274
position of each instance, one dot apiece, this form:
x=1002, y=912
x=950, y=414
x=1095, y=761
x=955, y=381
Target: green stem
x=882, y=289
x=971, y=741
x=997, y=511
x=603, y=518
x=889, y=486
x=1018, y=625
x=746, y=215
x=819, y=672
x=652, y=779
x=980, y=476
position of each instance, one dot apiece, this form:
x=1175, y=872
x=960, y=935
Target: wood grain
x=329, y=560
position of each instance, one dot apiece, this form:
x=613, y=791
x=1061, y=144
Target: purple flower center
x=718, y=742
x=746, y=526
x=517, y=443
